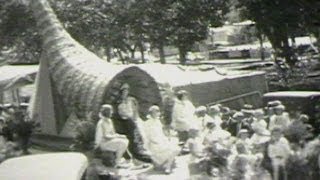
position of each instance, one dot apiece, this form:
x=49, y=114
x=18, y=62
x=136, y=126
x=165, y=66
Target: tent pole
x=18, y=96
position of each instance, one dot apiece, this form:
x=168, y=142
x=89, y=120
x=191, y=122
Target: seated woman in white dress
x=163, y=151
x=216, y=134
x=106, y=138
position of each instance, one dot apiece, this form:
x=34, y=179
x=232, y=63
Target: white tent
x=13, y=78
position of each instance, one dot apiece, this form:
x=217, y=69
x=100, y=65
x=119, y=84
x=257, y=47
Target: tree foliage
x=191, y=21
x=159, y=24
x=128, y=25
x=281, y=20
x=311, y=17
x=19, y=39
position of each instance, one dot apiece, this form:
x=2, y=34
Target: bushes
x=84, y=136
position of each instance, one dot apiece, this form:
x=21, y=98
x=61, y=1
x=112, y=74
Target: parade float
x=72, y=82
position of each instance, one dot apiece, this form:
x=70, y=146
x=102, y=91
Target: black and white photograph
x=159, y=89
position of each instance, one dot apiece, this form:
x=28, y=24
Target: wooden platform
x=52, y=143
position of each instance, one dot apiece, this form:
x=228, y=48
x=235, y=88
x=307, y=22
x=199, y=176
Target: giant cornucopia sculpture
x=74, y=81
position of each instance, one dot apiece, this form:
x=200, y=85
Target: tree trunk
x=121, y=57
x=131, y=50
x=182, y=55
x=293, y=41
x=288, y=52
x=108, y=53
x=316, y=34
x=161, y=54
x=132, y=53
x=260, y=37
x=142, y=53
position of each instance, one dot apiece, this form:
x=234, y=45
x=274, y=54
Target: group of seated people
x=246, y=144
x=162, y=149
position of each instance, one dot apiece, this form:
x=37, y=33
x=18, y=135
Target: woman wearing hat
x=202, y=118
x=215, y=134
x=260, y=136
x=106, y=138
x=163, y=151
x=258, y=119
x=243, y=137
x=216, y=115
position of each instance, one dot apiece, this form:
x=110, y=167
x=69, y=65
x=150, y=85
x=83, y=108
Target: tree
x=159, y=24
x=87, y=22
x=191, y=20
x=113, y=24
x=279, y=20
x=128, y=25
x=311, y=17
x=19, y=39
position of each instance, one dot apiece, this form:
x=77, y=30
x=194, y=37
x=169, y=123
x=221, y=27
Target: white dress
x=182, y=115
x=161, y=148
x=104, y=129
x=217, y=134
x=200, y=123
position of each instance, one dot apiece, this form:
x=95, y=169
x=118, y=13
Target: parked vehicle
x=51, y=166
x=306, y=102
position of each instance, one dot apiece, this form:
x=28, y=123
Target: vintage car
x=307, y=102
x=65, y=166
x=51, y=166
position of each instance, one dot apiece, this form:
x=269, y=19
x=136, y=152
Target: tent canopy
x=12, y=77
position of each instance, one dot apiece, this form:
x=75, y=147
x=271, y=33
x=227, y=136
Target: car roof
x=51, y=166
x=292, y=94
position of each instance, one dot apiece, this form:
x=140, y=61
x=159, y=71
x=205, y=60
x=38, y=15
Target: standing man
x=182, y=115
x=234, y=124
x=278, y=151
x=280, y=118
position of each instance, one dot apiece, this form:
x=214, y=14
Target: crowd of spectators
x=15, y=132
x=265, y=143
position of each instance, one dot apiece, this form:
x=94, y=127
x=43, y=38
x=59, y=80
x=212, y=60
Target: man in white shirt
x=280, y=119
x=278, y=151
x=182, y=115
